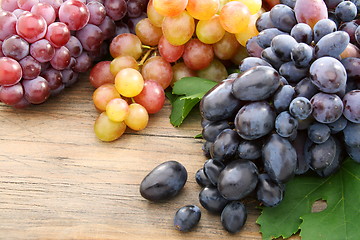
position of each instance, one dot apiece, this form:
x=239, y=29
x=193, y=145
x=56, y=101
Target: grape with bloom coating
x=10, y=71
x=72, y=8
x=31, y=27
x=129, y=82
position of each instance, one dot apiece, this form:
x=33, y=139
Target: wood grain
x=57, y=181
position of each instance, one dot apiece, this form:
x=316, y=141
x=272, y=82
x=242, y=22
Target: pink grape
x=58, y=34
x=90, y=37
x=42, y=50
x=31, y=27
x=54, y=3
x=12, y=94
x=72, y=8
x=157, y=69
x=27, y=4
x=97, y=12
x=30, y=67
x=46, y=11
x=170, y=52
x=74, y=46
x=37, y=90
x=10, y=71
x=9, y=5
x=152, y=97
x=7, y=24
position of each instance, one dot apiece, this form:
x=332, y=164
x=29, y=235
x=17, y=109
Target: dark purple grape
x=211, y=199
x=285, y=124
x=212, y=169
x=264, y=37
x=332, y=44
x=250, y=62
x=351, y=134
x=225, y=146
x=338, y=125
x=300, y=108
x=36, y=90
x=323, y=27
x=350, y=28
x=322, y=155
x=219, y=103
x=255, y=120
x=187, y=217
x=249, y=150
x=346, y=11
x=256, y=84
x=351, y=102
x=283, y=97
x=61, y=59
x=264, y=22
x=268, y=55
x=69, y=77
x=97, y=12
x=269, y=192
x=318, y=132
x=202, y=179
x=206, y=148
x=289, y=3
x=328, y=74
x=90, y=36
x=331, y=4
x=136, y=7
x=253, y=48
x=305, y=88
x=74, y=46
x=327, y=108
x=283, y=17
x=108, y=28
x=280, y=160
x=302, y=55
x=357, y=34
x=351, y=65
x=238, y=179
x=164, y=181
x=54, y=78
x=292, y=73
x=335, y=164
x=302, y=33
x=116, y=9
x=234, y=216
x=302, y=165
x=354, y=152
x=83, y=62
x=282, y=46
x=213, y=129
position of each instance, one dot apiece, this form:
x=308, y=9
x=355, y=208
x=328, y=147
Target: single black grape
x=256, y=84
x=219, y=103
x=255, y=120
x=212, y=168
x=283, y=97
x=234, y=216
x=269, y=192
x=211, y=199
x=332, y=44
x=285, y=124
x=292, y=73
x=346, y=11
x=164, y=181
x=264, y=37
x=264, y=22
x=187, y=217
x=283, y=17
x=249, y=150
x=282, y=46
x=201, y=178
x=238, y=179
x=338, y=125
x=213, y=129
x=251, y=62
x=327, y=108
x=322, y=155
x=323, y=27
x=318, y=132
x=279, y=158
x=302, y=32
x=302, y=55
x=305, y=88
x=300, y=108
x=225, y=145
x=268, y=55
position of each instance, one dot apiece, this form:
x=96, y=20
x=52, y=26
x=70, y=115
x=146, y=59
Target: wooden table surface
x=58, y=181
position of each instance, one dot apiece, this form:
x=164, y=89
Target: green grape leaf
x=186, y=94
x=192, y=85
x=339, y=220
x=180, y=109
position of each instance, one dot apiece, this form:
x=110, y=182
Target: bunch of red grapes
x=45, y=44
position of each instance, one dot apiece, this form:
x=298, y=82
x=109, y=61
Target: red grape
x=198, y=55
x=74, y=46
x=157, y=69
x=152, y=97
x=170, y=52
x=116, y=9
x=9, y=5
x=100, y=74
x=31, y=27
x=36, y=90
x=97, y=12
x=10, y=71
x=7, y=24
x=58, y=34
x=42, y=50
x=27, y=4
x=72, y=8
x=12, y=94
x=53, y=77
x=30, y=67
x=90, y=37
x=61, y=59
x=46, y=11
x=15, y=47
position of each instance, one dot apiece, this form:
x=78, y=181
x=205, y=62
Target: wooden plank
x=57, y=180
